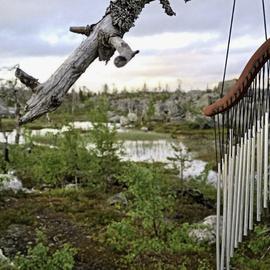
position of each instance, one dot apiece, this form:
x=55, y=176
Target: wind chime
x=241, y=120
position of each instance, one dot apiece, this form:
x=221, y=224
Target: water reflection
x=137, y=151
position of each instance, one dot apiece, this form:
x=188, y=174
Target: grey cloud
x=21, y=22
x=31, y=45
x=33, y=15
x=201, y=15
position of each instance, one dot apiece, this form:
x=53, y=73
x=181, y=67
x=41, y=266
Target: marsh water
x=139, y=150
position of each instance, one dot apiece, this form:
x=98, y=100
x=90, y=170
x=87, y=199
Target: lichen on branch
x=168, y=9
x=125, y=12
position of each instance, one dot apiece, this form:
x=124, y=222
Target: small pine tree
x=151, y=110
x=180, y=158
x=105, y=161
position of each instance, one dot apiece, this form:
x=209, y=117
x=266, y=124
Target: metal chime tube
x=242, y=196
x=252, y=176
x=231, y=201
x=262, y=163
x=238, y=206
x=235, y=193
x=247, y=183
x=229, y=204
x=224, y=182
x=265, y=189
x=218, y=219
x=258, y=178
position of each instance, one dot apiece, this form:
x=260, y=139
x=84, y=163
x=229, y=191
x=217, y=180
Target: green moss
x=253, y=254
x=15, y=216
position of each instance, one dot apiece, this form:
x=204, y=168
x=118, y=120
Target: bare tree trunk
x=103, y=39
x=5, y=148
x=48, y=117
x=17, y=116
x=73, y=104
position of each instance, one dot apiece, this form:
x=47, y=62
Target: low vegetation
x=96, y=211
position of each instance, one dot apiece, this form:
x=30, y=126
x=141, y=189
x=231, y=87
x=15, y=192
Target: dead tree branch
x=26, y=79
x=103, y=38
x=126, y=54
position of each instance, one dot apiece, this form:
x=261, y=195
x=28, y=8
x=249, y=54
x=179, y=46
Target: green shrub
x=146, y=227
x=254, y=253
x=105, y=165
x=66, y=162
x=39, y=257
x=6, y=265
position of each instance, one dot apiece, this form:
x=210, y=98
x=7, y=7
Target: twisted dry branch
x=103, y=38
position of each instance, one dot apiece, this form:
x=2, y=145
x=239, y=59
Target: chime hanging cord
x=222, y=135
x=264, y=20
x=268, y=65
x=228, y=47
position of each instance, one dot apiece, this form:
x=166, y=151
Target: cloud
x=29, y=21
x=190, y=46
x=27, y=27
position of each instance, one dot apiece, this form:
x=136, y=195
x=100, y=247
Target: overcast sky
x=190, y=46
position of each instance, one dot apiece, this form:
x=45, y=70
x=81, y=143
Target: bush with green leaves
x=66, y=162
x=40, y=257
x=68, y=159
x=105, y=163
x=147, y=227
x=254, y=253
x=150, y=110
x=180, y=158
x=74, y=156
x=3, y=163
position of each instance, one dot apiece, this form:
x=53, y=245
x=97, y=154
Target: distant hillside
x=127, y=108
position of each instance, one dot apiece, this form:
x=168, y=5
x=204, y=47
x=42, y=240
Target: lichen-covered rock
x=144, y=129
x=10, y=182
x=124, y=121
x=118, y=198
x=3, y=258
x=132, y=118
x=207, y=231
x=203, y=235
x=199, y=121
x=114, y=119
x=15, y=239
x=71, y=186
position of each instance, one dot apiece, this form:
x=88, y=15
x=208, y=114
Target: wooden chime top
x=257, y=61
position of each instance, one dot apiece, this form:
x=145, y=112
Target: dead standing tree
x=104, y=38
x=14, y=88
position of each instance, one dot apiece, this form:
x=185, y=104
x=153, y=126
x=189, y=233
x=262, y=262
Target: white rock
x=204, y=235
x=71, y=186
x=123, y=121
x=212, y=177
x=118, y=198
x=10, y=182
x=207, y=234
x=145, y=129
x=132, y=117
x=2, y=256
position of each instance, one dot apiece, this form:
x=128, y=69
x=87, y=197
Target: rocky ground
x=78, y=217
